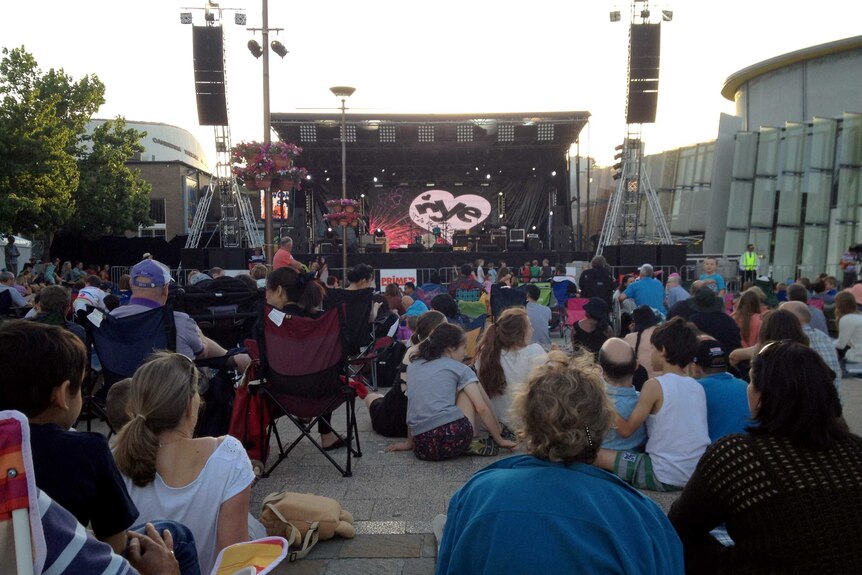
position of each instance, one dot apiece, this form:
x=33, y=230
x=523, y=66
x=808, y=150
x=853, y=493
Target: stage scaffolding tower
x=237, y=226
x=623, y=223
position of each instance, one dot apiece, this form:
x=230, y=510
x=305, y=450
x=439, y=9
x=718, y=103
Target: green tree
x=110, y=198
x=42, y=117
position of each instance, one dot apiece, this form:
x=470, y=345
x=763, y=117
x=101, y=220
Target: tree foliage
x=42, y=116
x=110, y=198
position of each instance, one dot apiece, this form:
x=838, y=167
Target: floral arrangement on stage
x=342, y=218
x=267, y=166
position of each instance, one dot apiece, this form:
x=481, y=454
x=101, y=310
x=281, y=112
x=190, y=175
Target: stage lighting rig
x=255, y=48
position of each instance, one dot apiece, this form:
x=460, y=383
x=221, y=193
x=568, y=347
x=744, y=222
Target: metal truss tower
x=237, y=226
x=623, y=223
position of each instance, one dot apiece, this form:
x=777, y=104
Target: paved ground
x=393, y=498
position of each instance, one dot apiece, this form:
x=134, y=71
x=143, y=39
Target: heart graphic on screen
x=440, y=209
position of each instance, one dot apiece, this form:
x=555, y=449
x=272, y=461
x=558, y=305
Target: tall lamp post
x=342, y=93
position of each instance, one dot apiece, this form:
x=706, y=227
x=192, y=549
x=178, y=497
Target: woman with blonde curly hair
x=582, y=519
x=202, y=482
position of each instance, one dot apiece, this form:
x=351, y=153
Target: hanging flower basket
x=264, y=183
x=342, y=218
x=350, y=209
x=282, y=162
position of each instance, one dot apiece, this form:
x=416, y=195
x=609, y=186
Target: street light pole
x=343, y=92
x=267, y=226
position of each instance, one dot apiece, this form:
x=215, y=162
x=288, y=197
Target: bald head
x=618, y=361
x=697, y=285
x=799, y=309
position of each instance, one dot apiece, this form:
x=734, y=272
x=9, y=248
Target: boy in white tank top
x=673, y=405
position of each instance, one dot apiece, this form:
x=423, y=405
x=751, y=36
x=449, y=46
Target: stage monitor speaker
x=441, y=248
x=327, y=248
x=643, y=73
x=195, y=259
x=415, y=248
x=208, y=51
x=516, y=245
x=533, y=244
x=487, y=248
x=373, y=248
x=636, y=255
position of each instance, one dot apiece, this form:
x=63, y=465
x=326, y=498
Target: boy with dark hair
x=673, y=405
x=540, y=317
x=44, y=368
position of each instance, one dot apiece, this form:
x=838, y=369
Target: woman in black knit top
x=790, y=492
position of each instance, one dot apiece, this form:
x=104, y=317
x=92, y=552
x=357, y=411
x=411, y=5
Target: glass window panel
x=841, y=235
x=786, y=247
x=813, y=251
x=851, y=140
x=791, y=183
x=708, y=163
x=744, y=155
x=763, y=202
x=794, y=147
x=849, y=185
x=823, y=143
x=819, y=198
x=687, y=161
x=767, y=152
x=789, y=208
x=735, y=241
x=739, y=207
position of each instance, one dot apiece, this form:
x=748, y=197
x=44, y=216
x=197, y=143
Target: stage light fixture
x=464, y=132
x=328, y=229
x=327, y=178
x=255, y=48
x=375, y=179
x=645, y=14
x=209, y=16
x=667, y=15
x=546, y=132
x=387, y=135
x=239, y=18
x=308, y=177
x=350, y=133
x=185, y=17
x=616, y=16
x=379, y=233
x=426, y=133
x=487, y=176
x=307, y=133
x=278, y=48
x=500, y=193
x=534, y=227
x=506, y=133
x=551, y=213
x=554, y=173
x=362, y=196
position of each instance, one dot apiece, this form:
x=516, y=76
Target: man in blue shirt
x=726, y=396
x=646, y=290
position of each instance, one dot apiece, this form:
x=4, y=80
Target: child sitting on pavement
x=445, y=399
x=673, y=405
x=619, y=362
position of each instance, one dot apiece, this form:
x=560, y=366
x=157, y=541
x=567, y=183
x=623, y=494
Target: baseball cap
x=711, y=355
x=149, y=274
x=647, y=267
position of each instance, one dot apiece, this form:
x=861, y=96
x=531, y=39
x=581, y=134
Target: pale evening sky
x=444, y=56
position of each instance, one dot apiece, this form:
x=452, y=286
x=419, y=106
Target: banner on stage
x=398, y=277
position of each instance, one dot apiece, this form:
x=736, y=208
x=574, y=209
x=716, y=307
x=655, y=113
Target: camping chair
x=427, y=295
x=467, y=295
x=473, y=332
x=503, y=298
x=472, y=309
x=370, y=359
x=357, y=304
x=302, y=369
x=225, y=316
x=545, y=292
x=122, y=345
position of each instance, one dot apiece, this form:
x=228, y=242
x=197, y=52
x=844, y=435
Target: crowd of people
x=730, y=399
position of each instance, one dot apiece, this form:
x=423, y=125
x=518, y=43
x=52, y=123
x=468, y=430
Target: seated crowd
x=730, y=402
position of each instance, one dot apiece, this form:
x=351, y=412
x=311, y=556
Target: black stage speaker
x=195, y=259
x=487, y=247
x=636, y=255
x=208, y=52
x=373, y=248
x=327, y=248
x=643, y=73
x=441, y=248
x=516, y=246
x=562, y=238
x=611, y=255
x=415, y=248
x=534, y=244
x=672, y=255
x=228, y=258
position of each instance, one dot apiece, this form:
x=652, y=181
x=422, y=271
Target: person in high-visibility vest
x=749, y=262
